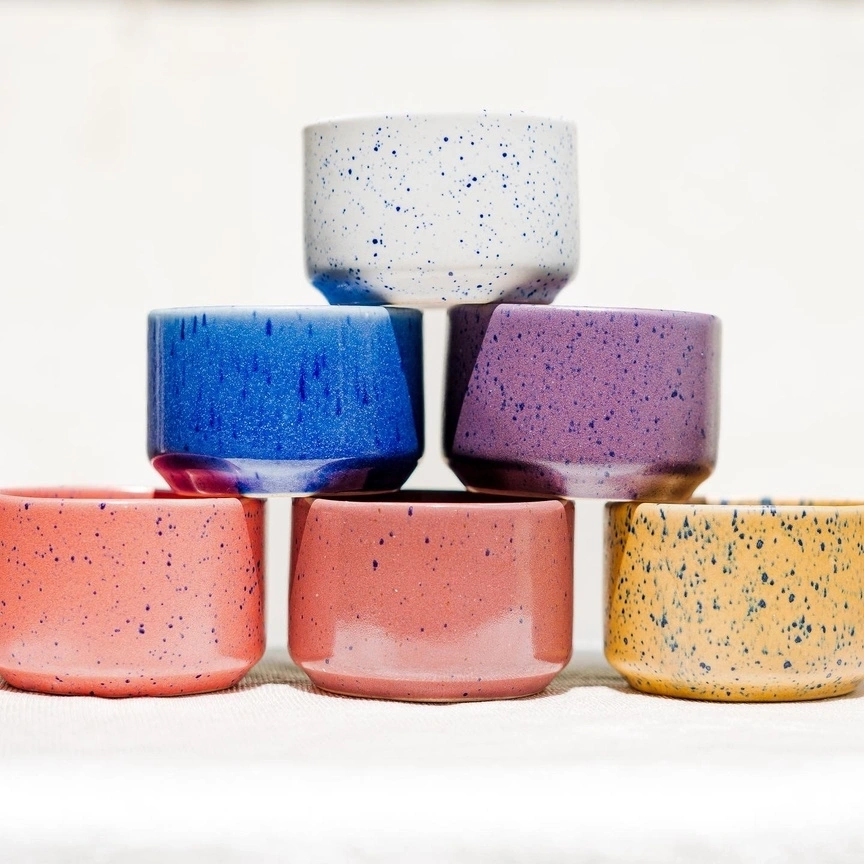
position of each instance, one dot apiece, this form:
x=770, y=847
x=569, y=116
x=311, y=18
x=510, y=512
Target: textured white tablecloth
x=276, y=771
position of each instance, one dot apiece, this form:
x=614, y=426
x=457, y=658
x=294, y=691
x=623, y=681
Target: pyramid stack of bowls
x=431, y=595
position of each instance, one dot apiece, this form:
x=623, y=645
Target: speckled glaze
x=431, y=596
x=736, y=602
x=285, y=400
x=118, y=592
x=429, y=210
x=585, y=403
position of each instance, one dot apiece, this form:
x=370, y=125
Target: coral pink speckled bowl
x=118, y=592
x=431, y=596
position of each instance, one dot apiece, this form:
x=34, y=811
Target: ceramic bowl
x=118, y=592
x=438, y=209
x=585, y=403
x=736, y=602
x=285, y=400
x=431, y=596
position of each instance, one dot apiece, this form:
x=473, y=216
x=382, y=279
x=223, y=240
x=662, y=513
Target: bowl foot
x=586, y=480
x=132, y=684
x=191, y=474
x=429, y=689
x=735, y=691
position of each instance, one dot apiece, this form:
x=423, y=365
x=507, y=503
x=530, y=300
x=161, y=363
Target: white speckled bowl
x=431, y=210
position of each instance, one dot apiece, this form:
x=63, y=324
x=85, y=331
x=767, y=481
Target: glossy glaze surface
x=112, y=592
x=431, y=596
x=591, y=403
x=434, y=210
x=736, y=602
x=285, y=400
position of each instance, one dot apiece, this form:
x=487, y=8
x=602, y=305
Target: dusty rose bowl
x=118, y=592
x=431, y=596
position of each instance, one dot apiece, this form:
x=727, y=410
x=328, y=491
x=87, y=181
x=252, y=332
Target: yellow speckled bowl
x=736, y=601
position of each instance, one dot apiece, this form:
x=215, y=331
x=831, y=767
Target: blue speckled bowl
x=429, y=210
x=285, y=400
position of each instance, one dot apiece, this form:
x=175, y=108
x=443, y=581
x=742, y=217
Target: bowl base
x=734, y=691
x=443, y=286
x=428, y=690
x=191, y=474
x=651, y=482
x=122, y=686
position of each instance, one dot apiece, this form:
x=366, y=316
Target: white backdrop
x=150, y=156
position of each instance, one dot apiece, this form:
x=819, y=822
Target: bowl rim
x=82, y=495
x=360, y=120
x=541, y=308
x=436, y=499
x=745, y=505
x=323, y=310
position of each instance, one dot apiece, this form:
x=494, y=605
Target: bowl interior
x=437, y=498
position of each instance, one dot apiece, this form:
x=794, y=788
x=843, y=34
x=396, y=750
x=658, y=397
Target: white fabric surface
x=274, y=771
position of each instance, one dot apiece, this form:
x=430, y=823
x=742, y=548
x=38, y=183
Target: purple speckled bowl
x=584, y=403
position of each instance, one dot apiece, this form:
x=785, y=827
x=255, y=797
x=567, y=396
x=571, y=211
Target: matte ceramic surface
x=431, y=596
x=590, y=403
x=736, y=602
x=285, y=400
x=431, y=210
x=115, y=592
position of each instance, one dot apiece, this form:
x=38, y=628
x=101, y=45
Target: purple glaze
x=590, y=403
